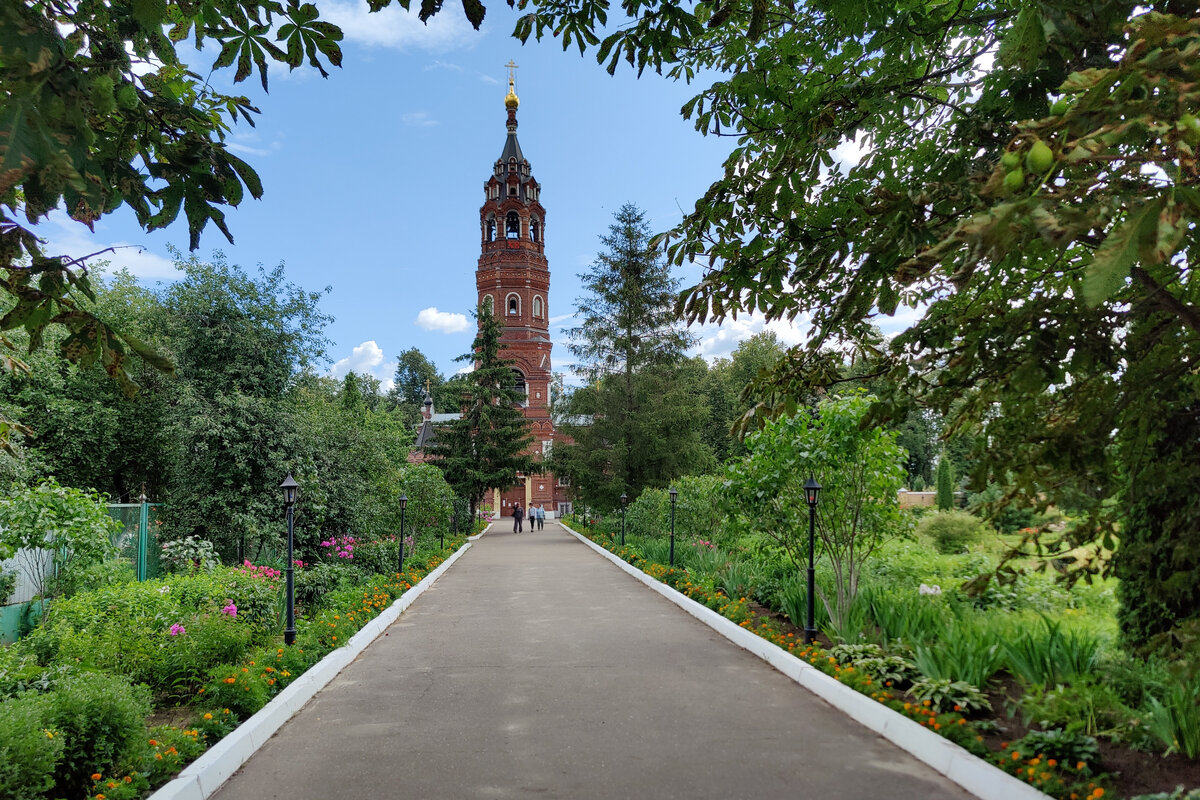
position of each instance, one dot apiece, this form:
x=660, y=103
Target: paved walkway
x=535, y=668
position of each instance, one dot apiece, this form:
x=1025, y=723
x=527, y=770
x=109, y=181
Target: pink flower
x=230, y=609
x=178, y=630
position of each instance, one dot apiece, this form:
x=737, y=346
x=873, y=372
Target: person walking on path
x=518, y=515
x=541, y=517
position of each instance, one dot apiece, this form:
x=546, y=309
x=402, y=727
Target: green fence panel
x=137, y=540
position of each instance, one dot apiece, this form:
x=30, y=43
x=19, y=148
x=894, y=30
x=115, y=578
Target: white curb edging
x=972, y=773
x=204, y=776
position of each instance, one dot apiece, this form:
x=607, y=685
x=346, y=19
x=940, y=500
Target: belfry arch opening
x=512, y=226
x=519, y=385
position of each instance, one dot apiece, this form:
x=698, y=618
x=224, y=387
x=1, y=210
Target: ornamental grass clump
x=1050, y=657
x=1174, y=718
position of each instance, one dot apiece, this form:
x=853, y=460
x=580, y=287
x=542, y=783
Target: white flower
x=935, y=589
x=164, y=589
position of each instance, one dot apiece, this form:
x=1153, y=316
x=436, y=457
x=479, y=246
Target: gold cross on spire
x=426, y=386
x=511, y=66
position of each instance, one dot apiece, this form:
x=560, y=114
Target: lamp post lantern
x=403, y=505
x=290, y=490
x=624, y=501
x=811, y=490
x=674, y=493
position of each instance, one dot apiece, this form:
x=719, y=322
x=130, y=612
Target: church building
x=513, y=277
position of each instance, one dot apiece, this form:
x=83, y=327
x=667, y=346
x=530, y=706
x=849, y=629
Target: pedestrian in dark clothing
x=518, y=515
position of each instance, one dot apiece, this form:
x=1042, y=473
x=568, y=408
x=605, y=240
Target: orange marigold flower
x=153, y=743
x=1080, y=765
x=96, y=776
x=1052, y=763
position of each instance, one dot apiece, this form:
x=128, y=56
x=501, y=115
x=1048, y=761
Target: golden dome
x=510, y=100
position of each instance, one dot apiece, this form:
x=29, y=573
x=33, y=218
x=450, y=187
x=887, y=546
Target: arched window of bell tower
x=520, y=386
x=513, y=304
x=535, y=230
x=512, y=226
x=488, y=303
x=537, y=306
x=489, y=229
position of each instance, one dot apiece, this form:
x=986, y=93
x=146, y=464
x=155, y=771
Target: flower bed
x=73, y=725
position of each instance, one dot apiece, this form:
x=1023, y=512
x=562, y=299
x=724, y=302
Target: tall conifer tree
x=643, y=419
x=488, y=445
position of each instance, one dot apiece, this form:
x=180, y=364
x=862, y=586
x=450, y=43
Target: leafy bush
x=1091, y=708
x=315, y=582
x=1051, y=658
x=851, y=653
x=101, y=719
x=73, y=525
x=895, y=670
x=166, y=634
x=945, y=695
x=241, y=689
x=189, y=554
x=29, y=751
x=8, y=584
x=1175, y=717
x=1066, y=747
x=649, y=515
x=951, y=531
x=702, y=557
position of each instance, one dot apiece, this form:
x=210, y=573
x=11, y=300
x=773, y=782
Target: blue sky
x=374, y=178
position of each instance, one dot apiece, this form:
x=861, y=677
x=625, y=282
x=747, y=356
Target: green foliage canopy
x=860, y=469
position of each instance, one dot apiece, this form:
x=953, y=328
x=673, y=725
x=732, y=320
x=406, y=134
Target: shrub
x=896, y=670
x=317, y=581
x=1091, y=708
x=649, y=515
x=74, y=525
x=1066, y=747
x=241, y=689
x=951, y=531
x=188, y=555
x=101, y=719
x=944, y=695
x=8, y=584
x=127, y=629
x=29, y=751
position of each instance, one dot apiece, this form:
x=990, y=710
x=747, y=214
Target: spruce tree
x=642, y=414
x=489, y=444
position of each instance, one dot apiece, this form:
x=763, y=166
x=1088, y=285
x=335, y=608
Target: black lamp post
x=624, y=500
x=453, y=524
x=403, y=505
x=811, y=490
x=674, y=493
x=290, y=489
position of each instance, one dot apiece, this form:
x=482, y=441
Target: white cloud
x=433, y=320
x=66, y=237
x=560, y=318
x=418, y=119
x=719, y=341
x=362, y=360
x=397, y=28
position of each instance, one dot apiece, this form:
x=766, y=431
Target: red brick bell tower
x=513, y=276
